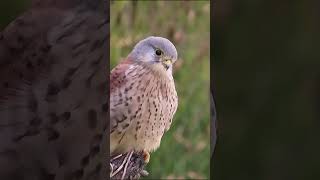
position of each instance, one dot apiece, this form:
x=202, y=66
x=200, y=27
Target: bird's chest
x=147, y=105
x=155, y=110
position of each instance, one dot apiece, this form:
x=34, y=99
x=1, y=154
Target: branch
x=127, y=166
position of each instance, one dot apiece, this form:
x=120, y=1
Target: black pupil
x=158, y=52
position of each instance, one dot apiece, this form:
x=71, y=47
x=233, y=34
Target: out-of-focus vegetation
x=267, y=74
x=184, y=150
x=9, y=10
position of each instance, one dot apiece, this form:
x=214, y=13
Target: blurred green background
x=9, y=10
x=267, y=75
x=184, y=150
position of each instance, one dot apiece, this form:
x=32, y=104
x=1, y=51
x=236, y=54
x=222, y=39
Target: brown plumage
x=143, y=99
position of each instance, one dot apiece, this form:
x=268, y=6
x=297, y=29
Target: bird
x=53, y=92
x=143, y=97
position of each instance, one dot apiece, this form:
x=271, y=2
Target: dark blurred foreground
x=267, y=79
x=53, y=90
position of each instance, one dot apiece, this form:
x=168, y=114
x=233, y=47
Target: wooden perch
x=127, y=166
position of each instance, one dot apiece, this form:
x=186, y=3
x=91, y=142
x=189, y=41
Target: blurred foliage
x=267, y=74
x=9, y=10
x=184, y=150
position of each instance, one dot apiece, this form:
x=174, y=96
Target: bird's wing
x=125, y=86
x=118, y=82
x=53, y=84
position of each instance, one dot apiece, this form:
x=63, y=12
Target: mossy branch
x=127, y=166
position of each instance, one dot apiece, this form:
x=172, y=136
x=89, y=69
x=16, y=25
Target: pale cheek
x=148, y=57
x=158, y=68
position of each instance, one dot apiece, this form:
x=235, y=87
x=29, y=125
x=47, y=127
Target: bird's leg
x=146, y=156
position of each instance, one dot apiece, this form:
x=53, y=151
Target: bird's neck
x=156, y=69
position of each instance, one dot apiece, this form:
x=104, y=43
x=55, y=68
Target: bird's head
x=156, y=52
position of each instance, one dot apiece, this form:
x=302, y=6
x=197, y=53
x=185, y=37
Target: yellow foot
x=146, y=156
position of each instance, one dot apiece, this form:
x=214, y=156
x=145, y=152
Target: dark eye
x=158, y=52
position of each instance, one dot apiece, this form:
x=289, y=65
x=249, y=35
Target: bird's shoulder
x=118, y=74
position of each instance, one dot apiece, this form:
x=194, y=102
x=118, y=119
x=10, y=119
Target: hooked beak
x=167, y=62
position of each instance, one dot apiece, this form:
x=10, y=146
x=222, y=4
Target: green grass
x=185, y=148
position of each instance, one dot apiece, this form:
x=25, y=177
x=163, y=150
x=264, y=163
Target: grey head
x=158, y=52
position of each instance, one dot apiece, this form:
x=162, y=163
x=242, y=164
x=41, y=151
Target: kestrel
x=53, y=84
x=143, y=98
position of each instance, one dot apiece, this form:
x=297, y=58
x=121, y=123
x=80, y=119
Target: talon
x=144, y=173
x=146, y=156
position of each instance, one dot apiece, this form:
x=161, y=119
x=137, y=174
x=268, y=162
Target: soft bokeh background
x=267, y=74
x=9, y=10
x=184, y=150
